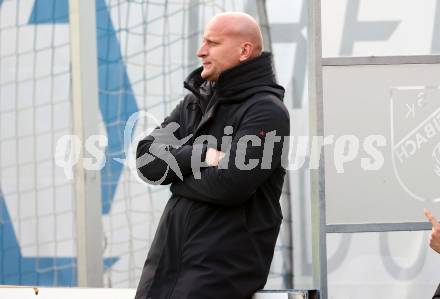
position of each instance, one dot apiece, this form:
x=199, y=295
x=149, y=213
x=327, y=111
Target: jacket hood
x=239, y=82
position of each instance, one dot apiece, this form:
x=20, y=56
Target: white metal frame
x=84, y=64
x=316, y=128
x=320, y=228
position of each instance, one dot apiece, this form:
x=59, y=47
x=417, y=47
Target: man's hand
x=434, y=239
x=213, y=157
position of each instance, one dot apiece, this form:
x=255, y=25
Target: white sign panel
x=383, y=162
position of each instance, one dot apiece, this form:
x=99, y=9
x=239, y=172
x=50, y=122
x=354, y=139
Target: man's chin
x=206, y=76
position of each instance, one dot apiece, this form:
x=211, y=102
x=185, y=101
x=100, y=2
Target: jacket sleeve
x=231, y=185
x=154, y=152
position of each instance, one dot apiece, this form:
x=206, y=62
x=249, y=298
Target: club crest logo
x=415, y=140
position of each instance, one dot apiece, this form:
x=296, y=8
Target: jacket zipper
x=206, y=116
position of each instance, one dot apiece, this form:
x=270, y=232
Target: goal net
x=145, y=50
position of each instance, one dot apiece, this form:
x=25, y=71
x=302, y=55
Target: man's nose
x=201, y=52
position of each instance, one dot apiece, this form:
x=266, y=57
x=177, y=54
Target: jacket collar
x=238, y=82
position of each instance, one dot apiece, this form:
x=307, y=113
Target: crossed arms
x=228, y=185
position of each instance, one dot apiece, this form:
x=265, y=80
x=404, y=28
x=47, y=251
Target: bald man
x=216, y=236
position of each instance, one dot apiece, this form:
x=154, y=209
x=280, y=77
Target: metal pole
x=267, y=45
x=264, y=25
x=193, y=30
x=316, y=128
x=83, y=53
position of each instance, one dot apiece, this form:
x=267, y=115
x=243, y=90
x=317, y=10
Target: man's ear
x=246, y=51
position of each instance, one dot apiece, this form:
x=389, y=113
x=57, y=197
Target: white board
x=396, y=102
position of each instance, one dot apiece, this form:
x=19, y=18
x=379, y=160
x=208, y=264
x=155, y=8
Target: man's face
x=220, y=50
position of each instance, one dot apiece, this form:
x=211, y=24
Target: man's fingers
x=430, y=217
x=221, y=155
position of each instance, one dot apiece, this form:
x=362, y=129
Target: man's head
x=229, y=38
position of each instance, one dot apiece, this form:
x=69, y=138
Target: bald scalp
x=241, y=26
